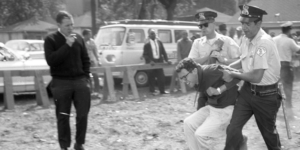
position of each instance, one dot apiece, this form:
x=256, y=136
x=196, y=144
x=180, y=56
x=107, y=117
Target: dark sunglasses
x=203, y=25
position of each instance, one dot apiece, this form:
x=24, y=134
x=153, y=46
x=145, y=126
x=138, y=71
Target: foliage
x=14, y=11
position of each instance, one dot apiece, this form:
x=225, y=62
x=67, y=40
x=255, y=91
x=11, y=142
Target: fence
x=41, y=93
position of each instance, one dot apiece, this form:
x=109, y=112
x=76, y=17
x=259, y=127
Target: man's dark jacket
x=148, y=55
x=66, y=62
x=211, y=76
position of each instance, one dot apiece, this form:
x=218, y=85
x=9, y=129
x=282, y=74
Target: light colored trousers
x=206, y=128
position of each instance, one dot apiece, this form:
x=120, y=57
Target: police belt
x=263, y=90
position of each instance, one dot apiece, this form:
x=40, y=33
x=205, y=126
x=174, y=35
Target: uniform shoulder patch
x=261, y=51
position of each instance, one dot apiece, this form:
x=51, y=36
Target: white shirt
x=286, y=46
x=237, y=39
x=261, y=53
x=155, y=48
x=202, y=47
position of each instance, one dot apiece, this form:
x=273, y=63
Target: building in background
x=29, y=29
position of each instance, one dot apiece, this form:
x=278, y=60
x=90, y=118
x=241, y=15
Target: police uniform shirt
x=202, y=47
x=261, y=53
x=286, y=46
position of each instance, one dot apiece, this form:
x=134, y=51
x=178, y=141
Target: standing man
x=261, y=72
x=154, y=52
x=223, y=29
x=183, y=46
x=66, y=54
x=205, y=47
x=239, y=34
x=94, y=57
x=286, y=47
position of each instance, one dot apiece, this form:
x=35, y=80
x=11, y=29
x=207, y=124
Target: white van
x=121, y=42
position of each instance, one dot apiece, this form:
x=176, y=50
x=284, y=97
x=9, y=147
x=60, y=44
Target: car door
x=35, y=64
x=133, y=49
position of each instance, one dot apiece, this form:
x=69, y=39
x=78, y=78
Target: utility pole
x=94, y=8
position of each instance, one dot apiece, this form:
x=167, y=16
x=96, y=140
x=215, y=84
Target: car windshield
x=24, y=46
x=8, y=53
x=112, y=36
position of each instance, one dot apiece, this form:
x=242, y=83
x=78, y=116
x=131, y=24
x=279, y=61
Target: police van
x=121, y=42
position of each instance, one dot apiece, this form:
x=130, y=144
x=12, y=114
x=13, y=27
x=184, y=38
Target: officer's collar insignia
x=245, y=10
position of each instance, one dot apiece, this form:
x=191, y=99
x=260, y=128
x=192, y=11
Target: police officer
x=261, y=72
x=286, y=47
x=204, y=48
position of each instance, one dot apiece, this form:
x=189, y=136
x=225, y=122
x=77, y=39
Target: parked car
x=7, y=54
x=29, y=49
x=23, y=84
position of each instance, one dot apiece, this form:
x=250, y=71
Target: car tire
x=141, y=78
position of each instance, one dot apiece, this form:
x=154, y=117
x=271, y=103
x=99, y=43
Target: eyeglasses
x=184, y=78
x=203, y=25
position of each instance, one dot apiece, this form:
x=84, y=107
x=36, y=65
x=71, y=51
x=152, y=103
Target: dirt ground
x=154, y=123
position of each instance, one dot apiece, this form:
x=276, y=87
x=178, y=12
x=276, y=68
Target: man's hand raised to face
x=71, y=39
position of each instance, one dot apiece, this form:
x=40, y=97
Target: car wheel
x=141, y=78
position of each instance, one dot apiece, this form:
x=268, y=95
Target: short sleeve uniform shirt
x=202, y=47
x=261, y=53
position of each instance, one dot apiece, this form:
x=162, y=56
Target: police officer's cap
x=287, y=24
x=206, y=16
x=251, y=13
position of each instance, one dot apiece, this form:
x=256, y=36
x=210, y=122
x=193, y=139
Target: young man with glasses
x=259, y=95
x=208, y=50
x=206, y=128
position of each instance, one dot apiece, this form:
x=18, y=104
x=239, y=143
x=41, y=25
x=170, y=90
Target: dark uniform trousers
x=64, y=93
x=264, y=109
x=287, y=79
x=160, y=76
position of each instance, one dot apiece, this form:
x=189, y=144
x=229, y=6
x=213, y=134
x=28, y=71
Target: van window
x=112, y=36
x=138, y=35
x=177, y=34
x=194, y=33
x=165, y=36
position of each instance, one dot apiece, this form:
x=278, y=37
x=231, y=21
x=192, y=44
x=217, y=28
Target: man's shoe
x=78, y=146
x=244, y=143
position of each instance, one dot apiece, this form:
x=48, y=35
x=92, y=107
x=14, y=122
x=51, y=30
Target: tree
x=170, y=6
x=14, y=11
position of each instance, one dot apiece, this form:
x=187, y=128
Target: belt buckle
x=253, y=89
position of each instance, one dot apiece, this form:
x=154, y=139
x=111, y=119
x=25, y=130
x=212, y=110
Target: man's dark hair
x=86, y=31
x=62, y=15
x=286, y=29
x=188, y=63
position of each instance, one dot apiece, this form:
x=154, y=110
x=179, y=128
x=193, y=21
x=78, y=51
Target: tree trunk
x=170, y=14
x=170, y=6
x=143, y=11
x=152, y=11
